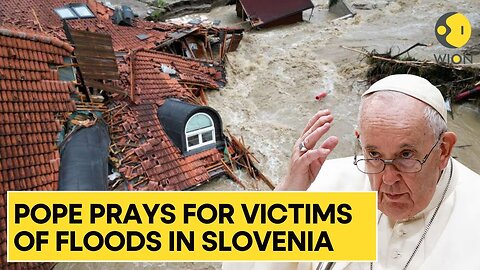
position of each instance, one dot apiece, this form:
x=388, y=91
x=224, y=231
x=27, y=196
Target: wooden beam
x=108, y=88
x=132, y=76
x=232, y=175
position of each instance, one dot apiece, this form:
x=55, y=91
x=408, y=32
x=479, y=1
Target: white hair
x=435, y=121
x=432, y=117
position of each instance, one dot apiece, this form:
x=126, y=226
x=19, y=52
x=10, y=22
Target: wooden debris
x=203, y=98
x=116, y=97
x=132, y=76
x=408, y=61
x=463, y=146
x=451, y=79
x=90, y=106
x=243, y=157
x=231, y=174
x=138, y=183
x=36, y=20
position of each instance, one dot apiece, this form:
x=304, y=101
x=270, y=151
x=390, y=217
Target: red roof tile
x=20, y=14
x=34, y=98
x=30, y=101
x=155, y=157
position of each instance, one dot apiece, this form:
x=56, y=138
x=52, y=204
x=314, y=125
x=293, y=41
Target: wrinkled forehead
x=390, y=109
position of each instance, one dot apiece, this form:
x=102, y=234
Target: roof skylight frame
x=74, y=11
x=82, y=10
x=66, y=13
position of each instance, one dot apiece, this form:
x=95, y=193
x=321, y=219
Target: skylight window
x=65, y=13
x=83, y=11
x=74, y=11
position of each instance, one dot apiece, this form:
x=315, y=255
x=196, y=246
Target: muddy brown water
x=275, y=74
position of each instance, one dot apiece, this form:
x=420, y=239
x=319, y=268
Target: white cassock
x=452, y=242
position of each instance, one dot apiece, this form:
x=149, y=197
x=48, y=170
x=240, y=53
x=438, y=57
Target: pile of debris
x=457, y=83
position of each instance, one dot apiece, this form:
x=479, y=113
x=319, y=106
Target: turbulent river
x=275, y=74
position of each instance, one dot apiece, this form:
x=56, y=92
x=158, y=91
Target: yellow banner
x=191, y=226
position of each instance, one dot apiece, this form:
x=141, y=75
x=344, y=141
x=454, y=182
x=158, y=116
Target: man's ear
x=357, y=134
x=446, y=146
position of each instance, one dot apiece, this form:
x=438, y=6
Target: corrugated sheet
x=94, y=54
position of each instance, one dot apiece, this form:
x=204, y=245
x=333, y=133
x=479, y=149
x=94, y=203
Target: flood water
x=275, y=74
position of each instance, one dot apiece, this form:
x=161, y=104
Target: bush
x=160, y=3
x=156, y=15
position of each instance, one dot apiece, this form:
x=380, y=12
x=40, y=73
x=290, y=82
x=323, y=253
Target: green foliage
x=160, y=3
x=160, y=7
x=156, y=15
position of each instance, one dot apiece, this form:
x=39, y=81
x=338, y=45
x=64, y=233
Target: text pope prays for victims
x=205, y=213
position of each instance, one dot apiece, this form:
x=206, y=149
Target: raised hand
x=306, y=161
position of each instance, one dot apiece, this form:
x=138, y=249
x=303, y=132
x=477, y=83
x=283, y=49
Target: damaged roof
x=34, y=103
x=40, y=16
x=149, y=77
x=144, y=150
x=267, y=11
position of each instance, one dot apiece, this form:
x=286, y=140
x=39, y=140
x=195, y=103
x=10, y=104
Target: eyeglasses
x=406, y=165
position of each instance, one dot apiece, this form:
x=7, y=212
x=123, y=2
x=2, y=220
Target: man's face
x=393, y=126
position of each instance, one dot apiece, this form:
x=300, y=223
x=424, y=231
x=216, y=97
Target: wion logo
x=453, y=30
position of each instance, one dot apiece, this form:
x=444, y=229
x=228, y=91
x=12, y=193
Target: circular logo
x=453, y=30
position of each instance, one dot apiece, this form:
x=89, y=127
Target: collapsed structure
x=268, y=13
x=87, y=91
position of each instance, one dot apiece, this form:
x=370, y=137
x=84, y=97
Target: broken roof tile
x=153, y=87
x=124, y=37
x=149, y=152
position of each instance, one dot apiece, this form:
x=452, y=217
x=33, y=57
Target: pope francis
x=428, y=203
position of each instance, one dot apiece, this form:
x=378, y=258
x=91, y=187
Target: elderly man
x=429, y=208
